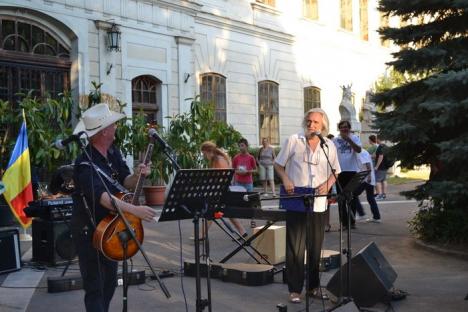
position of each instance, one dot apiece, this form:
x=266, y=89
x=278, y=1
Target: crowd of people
x=309, y=163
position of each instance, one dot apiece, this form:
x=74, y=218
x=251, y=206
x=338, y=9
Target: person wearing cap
x=92, y=203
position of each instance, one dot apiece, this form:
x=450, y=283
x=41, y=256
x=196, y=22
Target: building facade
x=262, y=63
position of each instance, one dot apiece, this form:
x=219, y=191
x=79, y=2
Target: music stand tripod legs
x=193, y=194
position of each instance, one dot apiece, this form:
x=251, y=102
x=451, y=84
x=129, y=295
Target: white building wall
x=249, y=42
x=245, y=41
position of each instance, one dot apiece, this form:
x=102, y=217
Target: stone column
x=186, y=78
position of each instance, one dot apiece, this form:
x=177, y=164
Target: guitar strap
x=111, y=180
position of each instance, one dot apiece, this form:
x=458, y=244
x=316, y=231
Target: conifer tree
x=429, y=119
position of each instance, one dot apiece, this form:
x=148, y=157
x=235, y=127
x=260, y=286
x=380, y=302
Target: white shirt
x=365, y=158
x=347, y=156
x=306, y=168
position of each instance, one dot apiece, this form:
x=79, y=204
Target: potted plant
x=133, y=139
x=185, y=134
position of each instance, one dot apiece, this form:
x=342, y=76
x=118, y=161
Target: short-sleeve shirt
x=245, y=162
x=380, y=151
x=88, y=183
x=365, y=158
x=346, y=155
x=304, y=167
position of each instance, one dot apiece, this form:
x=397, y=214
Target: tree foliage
x=46, y=119
x=428, y=121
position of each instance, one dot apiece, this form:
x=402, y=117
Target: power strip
x=74, y=282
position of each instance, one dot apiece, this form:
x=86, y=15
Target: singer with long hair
x=303, y=168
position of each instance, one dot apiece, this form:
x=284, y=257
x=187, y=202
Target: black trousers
x=344, y=177
x=370, y=199
x=295, y=248
x=99, y=274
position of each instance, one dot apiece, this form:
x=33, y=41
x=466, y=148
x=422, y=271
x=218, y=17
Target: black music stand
x=346, y=196
x=194, y=194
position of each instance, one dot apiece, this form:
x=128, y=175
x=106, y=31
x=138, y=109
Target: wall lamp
x=113, y=38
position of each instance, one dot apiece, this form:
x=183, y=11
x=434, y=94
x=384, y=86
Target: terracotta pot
x=154, y=195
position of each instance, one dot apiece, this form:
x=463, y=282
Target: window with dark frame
x=364, y=19
x=311, y=98
x=145, y=97
x=268, y=111
x=32, y=59
x=346, y=14
x=213, y=91
x=310, y=9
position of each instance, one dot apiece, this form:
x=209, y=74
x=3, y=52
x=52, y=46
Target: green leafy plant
x=187, y=131
x=185, y=134
x=46, y=120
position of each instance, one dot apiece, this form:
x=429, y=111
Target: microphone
x=319, y=135
x=153, y=133
x=60, y=144
x=250, y=197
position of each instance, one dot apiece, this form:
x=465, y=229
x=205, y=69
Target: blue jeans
x=248, y=186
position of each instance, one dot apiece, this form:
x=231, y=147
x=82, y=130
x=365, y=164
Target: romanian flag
x=17, y=178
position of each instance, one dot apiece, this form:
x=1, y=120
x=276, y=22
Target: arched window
x=32, y=59
x=146, y=97
x=213, y=90
x=268, y=112
x=311, y=98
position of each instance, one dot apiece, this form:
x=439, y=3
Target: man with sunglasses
x=303, y=168
x=348, y=147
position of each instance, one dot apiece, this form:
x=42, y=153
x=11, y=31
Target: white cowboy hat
x=96, y=118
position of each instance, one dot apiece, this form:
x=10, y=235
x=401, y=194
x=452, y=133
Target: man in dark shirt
x=92, y=203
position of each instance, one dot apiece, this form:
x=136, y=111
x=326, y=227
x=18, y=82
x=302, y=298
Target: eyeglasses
x=312, y=158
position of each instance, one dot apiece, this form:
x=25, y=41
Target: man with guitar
x=92, y=203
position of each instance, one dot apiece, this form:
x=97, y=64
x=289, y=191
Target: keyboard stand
x=244, y=243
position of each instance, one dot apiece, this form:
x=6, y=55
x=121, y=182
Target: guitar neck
x=139, y=184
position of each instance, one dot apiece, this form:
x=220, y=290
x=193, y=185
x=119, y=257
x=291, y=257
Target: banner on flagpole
x=17, y=178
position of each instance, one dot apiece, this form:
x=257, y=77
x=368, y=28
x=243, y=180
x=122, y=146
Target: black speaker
x=11, y=252
x=371, y=277
x=52, y=242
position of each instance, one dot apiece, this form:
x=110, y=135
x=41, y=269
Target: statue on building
x=347, y=109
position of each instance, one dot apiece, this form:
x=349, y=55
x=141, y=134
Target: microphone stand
x=124, y=236
x=342, y=197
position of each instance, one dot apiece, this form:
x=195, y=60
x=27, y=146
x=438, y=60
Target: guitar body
x=106, y=237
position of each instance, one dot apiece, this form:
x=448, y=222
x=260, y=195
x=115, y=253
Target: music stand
x=195, y=193
x=346, y=196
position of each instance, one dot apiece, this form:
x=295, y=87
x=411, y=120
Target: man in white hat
x=92, y=203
